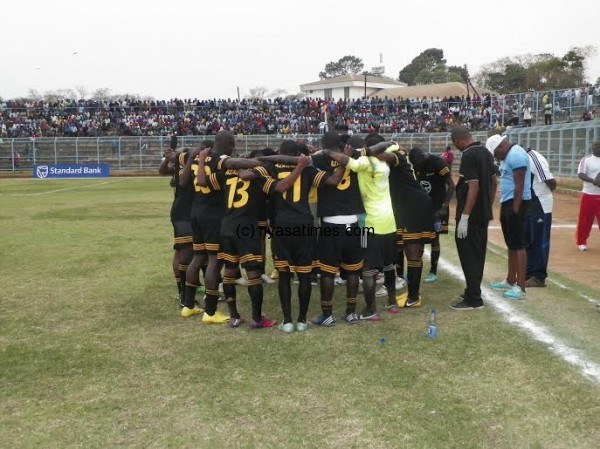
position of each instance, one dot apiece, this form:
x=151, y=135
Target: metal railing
x=562, y=144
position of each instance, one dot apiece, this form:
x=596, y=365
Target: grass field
x=94, y=354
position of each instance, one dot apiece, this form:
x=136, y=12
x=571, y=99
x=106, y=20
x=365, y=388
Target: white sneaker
x=582, y=248
x=266, y=279
x=381, y=292
x=339, y=281
x=400, y=283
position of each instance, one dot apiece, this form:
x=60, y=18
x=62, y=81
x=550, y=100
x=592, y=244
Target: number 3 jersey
x=244, y=200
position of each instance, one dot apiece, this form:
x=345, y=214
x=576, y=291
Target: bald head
x=224, y=142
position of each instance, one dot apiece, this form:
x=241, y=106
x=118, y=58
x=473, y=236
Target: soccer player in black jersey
x=172, y=164
x=207, y=214
x=413, y=212
x=265, y=215
x=240, y=241
x=203, y=215
x=338, y=209
x=293, y=235
x=435, y=178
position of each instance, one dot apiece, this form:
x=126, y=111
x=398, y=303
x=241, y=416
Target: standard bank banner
x=71, y=171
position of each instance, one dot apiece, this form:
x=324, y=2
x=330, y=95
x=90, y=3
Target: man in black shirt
x=475, y=193
x=173, y=164
x=434, y=176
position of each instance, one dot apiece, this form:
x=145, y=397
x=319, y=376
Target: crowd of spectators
x=133, y=117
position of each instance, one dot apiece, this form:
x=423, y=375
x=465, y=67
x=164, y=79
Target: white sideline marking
x=536, y=330
x=62, y=190
x=558, y=284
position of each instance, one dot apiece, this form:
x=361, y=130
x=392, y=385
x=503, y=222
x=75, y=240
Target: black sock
x=211, y=299
x=179, y=285
x=304, y=292
x=389, y=280
x=413, y=275
x=182, y=273
x=255, y=289
x=326, y=295
x=435, y=255
x=369, y=289
x=229, y=290
x=350, y=305
x=285, y=296
x=189, y=299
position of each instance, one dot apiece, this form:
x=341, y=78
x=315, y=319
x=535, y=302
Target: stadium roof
x=355, y=78
x=430, y=90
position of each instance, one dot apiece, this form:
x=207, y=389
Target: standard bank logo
x=42, y=171
x=71, y=171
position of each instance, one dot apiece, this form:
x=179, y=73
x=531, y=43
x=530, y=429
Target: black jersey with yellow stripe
x=209, y=198
x=244, y=200
x=432, y=176
x=292, y=206
x=405, y=189
x=182, y=201
x=344, y=199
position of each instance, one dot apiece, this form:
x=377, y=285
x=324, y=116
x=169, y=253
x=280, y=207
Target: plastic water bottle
x=432, y=328
x=438, y=226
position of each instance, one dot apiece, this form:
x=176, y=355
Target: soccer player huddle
x=376, y=205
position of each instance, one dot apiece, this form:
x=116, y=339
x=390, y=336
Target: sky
x=200, y=49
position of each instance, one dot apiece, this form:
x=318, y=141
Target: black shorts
x=415, y=220
x=206, y=233
x=182, y=231
x=339, y=247
x=381, y=251
x=245, y=251
x=295, y=253
x=514, y=225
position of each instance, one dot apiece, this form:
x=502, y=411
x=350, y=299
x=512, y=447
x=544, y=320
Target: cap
x=492, y=143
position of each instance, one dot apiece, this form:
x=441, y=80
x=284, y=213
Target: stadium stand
x=423, y=114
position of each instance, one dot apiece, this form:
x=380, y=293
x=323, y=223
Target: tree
x=539, y=72
x=348, y=65
x=82, y=91
x=101, y=94
x=427, y=60
x=34, y=94
x=462, y=72
x=59, y=94
x=277, y=93
x=440, y=74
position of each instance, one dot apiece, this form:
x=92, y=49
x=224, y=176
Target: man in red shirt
x=448, y=156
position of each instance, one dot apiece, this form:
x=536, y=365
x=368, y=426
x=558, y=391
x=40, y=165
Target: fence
x=568, y=105
x=562, y=144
